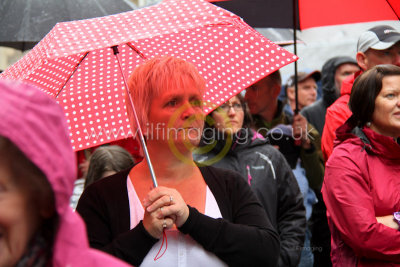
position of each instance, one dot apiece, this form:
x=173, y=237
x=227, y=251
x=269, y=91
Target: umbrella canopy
x=76, y=64
x=25, y=23
x=303, y=14
x=311, y=13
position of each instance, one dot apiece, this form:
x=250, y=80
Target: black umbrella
x=314, y=13
x=262, y=13
x=25, y=22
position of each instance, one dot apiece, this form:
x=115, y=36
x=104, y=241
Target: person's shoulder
x=110, y=183
x=315, y=107
x=220, y=177
x=339, y=106
x=351, y=149
x=347, y=84
x=218, y=173
x=265, y=149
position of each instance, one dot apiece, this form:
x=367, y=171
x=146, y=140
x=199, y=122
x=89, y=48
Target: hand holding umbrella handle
x=164, y=206
x=300, y=131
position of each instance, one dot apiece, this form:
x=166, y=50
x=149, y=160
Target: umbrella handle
x=139, y=129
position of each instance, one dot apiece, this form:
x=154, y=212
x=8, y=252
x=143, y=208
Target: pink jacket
x=336, y=115
x=36, y=124
x=362, y=182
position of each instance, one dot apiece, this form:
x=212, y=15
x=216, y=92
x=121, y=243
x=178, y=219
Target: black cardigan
x=244, y=237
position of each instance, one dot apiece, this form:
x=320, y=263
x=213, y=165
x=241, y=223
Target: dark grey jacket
x=271, y=178
x=315, y=113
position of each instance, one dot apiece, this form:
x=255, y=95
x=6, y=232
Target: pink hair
x=154, y=77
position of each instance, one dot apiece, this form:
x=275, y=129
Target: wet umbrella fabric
x=311, y=13
x=25, y=23
x=75, y=62
x=303, y=14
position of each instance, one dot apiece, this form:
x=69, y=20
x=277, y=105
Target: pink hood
x=36, y=124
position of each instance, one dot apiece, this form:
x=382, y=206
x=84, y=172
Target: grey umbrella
x=25, y=22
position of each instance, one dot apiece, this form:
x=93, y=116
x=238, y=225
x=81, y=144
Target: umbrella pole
x=141, y=138
x=296, y=110
x=297, y=142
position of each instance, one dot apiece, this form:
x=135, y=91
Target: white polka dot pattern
x=75, y=64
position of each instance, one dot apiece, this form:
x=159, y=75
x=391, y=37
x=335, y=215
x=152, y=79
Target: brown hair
x=275, y=77
x=365, y=89
x=247, y=119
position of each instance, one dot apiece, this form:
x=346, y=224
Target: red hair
x=156, y=76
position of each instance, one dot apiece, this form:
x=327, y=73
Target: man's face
x=342, y=72
x=307, y=92
x=261, y=95
x=376, y=57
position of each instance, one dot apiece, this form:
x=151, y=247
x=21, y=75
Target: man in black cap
x=378, y=45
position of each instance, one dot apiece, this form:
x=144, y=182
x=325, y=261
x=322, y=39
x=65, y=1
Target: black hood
x=328, y=78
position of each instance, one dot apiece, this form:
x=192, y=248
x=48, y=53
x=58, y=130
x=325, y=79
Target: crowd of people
x=257, y=182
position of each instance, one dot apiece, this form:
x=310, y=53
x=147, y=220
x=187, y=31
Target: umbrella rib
x=70, y=76
x=136, y=50
x=390, y=5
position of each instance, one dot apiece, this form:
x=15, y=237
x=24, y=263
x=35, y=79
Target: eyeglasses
x=226, y=107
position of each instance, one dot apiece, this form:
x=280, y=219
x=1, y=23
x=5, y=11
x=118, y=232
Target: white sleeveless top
x=182, y=250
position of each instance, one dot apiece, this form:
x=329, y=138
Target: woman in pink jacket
x=37, y=172
x=361, y=188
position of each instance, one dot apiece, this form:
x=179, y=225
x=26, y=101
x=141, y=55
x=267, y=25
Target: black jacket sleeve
x=245, y=237
x=107, y=221
x=312, y=160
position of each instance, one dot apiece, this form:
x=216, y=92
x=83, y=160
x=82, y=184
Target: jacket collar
x=347, y=84
x=370, y=140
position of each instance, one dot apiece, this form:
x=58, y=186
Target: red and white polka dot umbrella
x=75, y=62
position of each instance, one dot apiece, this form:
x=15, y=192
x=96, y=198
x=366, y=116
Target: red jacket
x=336, y=115
x=362, y=182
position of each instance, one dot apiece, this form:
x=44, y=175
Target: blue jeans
x=307, y=256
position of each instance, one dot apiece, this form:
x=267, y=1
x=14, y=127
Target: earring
x=368, y=124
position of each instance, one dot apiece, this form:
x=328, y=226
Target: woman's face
x=18, y=222
x=177, y=116
x=228, y=118
x=386, y=116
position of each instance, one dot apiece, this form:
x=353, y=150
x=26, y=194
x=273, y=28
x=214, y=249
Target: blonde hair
x=154, y=77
